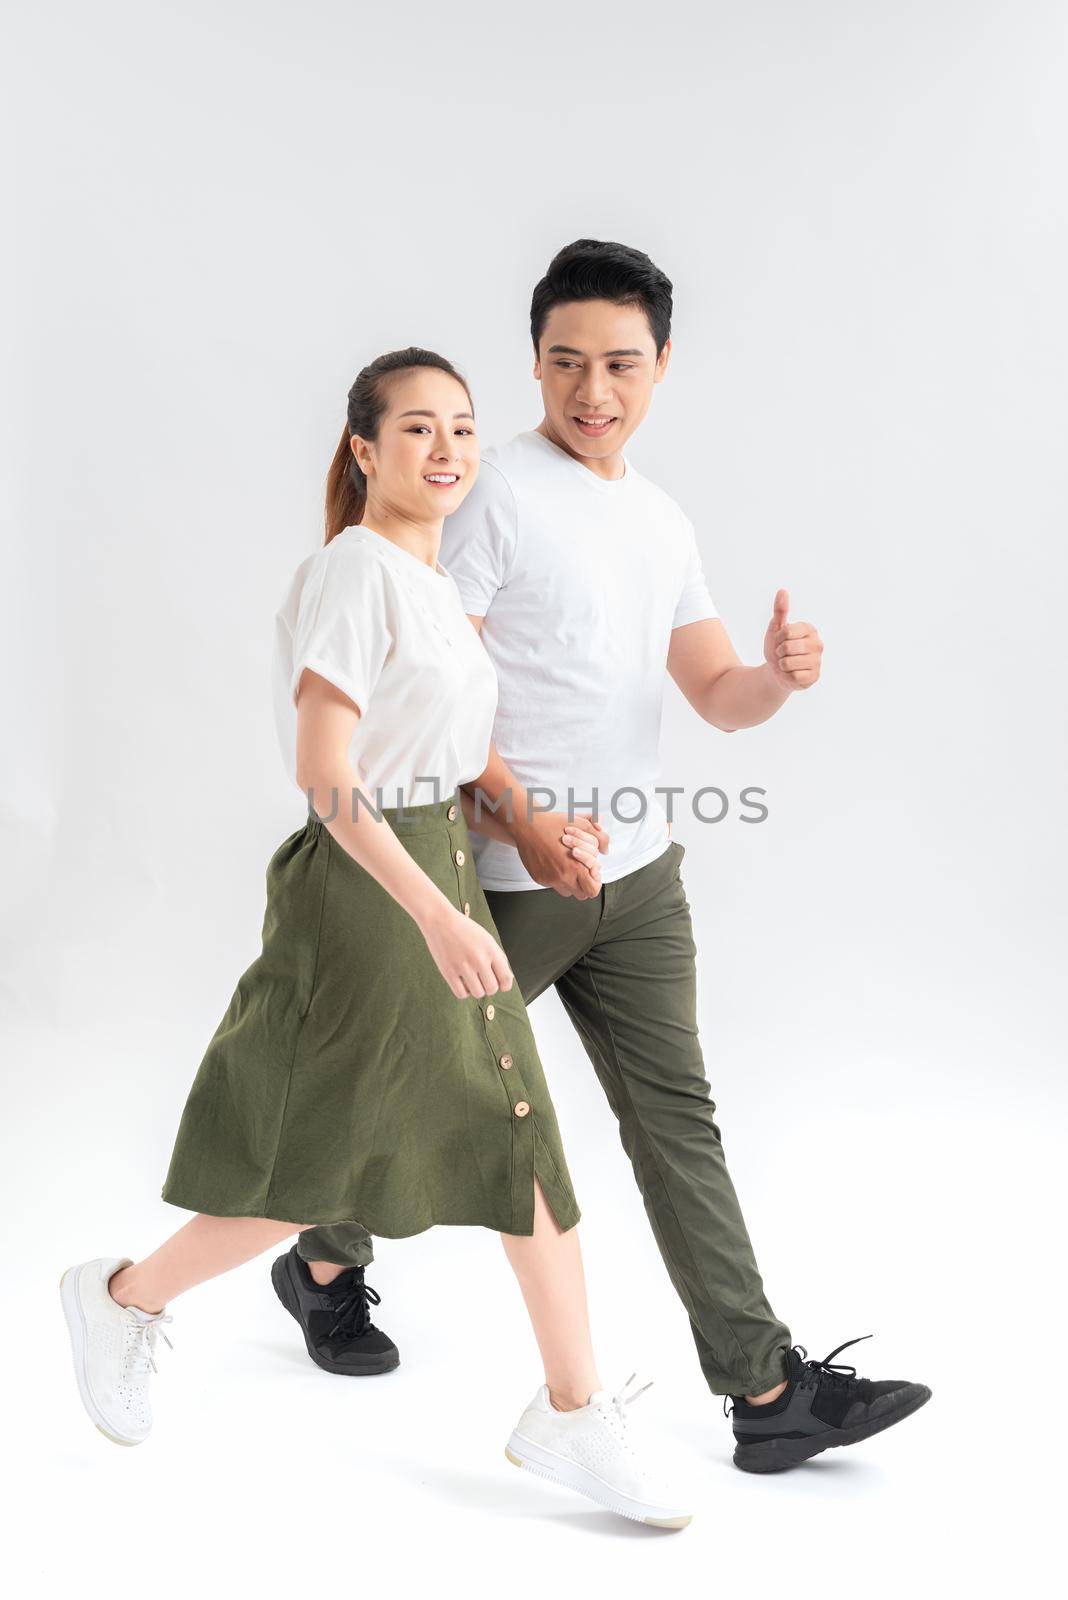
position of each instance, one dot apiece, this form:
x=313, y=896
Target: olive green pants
x=624, y=966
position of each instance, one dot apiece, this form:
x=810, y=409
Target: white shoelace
x=139, y=1349
x=614, y=1411
x=622, y=1398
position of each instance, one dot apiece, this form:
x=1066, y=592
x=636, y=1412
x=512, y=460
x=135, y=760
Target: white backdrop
x=221, y=212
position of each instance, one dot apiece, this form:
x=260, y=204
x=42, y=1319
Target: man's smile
x=594, y=426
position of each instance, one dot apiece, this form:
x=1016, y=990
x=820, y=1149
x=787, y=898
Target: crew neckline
x=603, y=485
x=369, y=535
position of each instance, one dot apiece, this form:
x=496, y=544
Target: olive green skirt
x=347, y=1083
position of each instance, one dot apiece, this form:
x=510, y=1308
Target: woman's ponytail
x=346, y=489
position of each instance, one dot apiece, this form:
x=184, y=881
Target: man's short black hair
x=591, y=269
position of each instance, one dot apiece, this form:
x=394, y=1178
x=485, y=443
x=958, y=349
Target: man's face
x=597, y=364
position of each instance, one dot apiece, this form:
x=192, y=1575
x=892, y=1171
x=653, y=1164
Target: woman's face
x=425, y=458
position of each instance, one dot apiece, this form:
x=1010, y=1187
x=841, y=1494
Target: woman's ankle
x=125, y=1291
x=570, y=1399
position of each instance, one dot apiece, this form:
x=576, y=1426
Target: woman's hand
x=584, y=846
x=549, y=847
x=468, y=958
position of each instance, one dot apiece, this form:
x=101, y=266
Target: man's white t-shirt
x=580, y=581
x=389, y=632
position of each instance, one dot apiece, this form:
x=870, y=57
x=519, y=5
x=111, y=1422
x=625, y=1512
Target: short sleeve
x=478, y=541
x=694, y=603
x=343, y=626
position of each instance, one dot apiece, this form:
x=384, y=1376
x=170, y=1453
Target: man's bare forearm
x=501, y=790
x=485, y=821
x=743, y=697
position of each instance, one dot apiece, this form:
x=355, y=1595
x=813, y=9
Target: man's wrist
x=780, y=688
x=522, y=823
x=513, y=812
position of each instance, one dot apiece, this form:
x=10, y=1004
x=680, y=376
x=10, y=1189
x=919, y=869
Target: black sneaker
x=335, y=1319
x=821, y=1407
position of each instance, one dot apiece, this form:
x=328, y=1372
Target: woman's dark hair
x=590, y=269
x=346, y=486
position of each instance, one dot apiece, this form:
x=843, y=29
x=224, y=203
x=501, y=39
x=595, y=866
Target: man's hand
x=561, y=854
x=791, y=649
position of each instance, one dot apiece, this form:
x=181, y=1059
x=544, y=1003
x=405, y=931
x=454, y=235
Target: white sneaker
x=593, y=1450
x=113, y=1348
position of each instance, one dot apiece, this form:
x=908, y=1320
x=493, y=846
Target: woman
x=376, y=1062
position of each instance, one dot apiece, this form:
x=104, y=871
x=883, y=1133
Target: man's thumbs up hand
x=791, y=649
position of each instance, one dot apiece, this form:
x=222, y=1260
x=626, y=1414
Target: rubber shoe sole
x=75, y=1320
x=522, y=1452
x=370, y=1369
x=778, y=1455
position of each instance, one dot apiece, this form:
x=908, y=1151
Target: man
x=580, y=663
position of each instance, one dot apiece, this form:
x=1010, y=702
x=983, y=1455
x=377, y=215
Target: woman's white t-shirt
x=391, y=633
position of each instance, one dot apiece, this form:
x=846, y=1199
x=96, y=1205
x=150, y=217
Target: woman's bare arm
x=326, y=722
x=467, y=956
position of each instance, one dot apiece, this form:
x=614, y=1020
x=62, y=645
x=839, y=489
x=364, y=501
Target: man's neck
x=609, y=467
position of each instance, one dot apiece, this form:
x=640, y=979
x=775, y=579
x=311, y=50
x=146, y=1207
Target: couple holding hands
x=375, y=1071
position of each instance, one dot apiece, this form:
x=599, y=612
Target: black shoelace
x=826, y=1370
x=816, y=1372
x=353, y=1318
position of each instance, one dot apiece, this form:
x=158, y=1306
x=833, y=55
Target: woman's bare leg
x=549, y=1268
x=204, y=1248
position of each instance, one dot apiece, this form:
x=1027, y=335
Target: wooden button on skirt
x=347, y=1083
